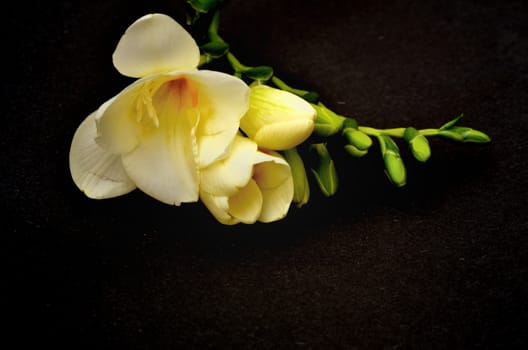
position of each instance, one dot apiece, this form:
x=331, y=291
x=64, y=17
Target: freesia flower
x=248, y=185
x=160, y=131
x=277, y=119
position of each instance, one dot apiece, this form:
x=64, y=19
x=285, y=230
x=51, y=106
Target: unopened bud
x=325, y=174
x=418, y=144
x=354, y=151
x=464, y=134
x=357, y=138
x=394, y=167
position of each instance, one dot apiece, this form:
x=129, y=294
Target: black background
x=438, y=264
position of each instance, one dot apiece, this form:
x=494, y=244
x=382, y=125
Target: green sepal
x=325, y=173
x=452, y=123
x=215, y=49
x=204, y=6
x=464, y=134
x=327, y=123
x=410, y=133
x=394, y=167
x=261, y=73
x=301, y=187
x=311, y=96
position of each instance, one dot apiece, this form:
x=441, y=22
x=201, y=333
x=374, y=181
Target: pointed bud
x=325, y=174
x=464, y=134
x=357, y=138
x=394, y=167
x=277, y=119
x=301, y=187
x=354, y=151
x=418, y=144
x=327, y=122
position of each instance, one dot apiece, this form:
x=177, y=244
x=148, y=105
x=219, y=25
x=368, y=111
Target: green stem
x=395, y=132
x=235, y=63
x=283, y=86
x=213, y=28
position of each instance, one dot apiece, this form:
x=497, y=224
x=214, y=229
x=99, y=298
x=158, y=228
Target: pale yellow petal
x=284, y=135
x=273, y=176
x=246, y=205
x=96, y=172
x=226, y=176
x=223, y=100
x=155, y=43
x=164, y=164
x=219, y=207
x=276, y=201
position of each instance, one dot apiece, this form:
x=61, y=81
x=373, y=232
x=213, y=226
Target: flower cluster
x=181, y=134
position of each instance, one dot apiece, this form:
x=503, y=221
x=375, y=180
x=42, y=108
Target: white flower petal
x=164, y=164
x=219, y=207
x=226, y=176
x=284, y=135
x=155, y=43
x=223, y=101
x=97, y=173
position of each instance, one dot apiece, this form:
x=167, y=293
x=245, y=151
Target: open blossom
x=277, y=119
x=248, y=185
x=164, y=128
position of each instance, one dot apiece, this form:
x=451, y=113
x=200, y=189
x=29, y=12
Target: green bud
x=394, y=167
x=325, y=174
x=215, y=49
x=301, y=187
x=464, y=134
x=418, y=144
x=261, y=73
x=327, y=122
x=354, y=151
x=204, y=6
x=357, y=138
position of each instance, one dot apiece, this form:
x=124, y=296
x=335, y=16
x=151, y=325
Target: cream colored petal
x=246, y=205
x=276, y=201
x=219, y=207
x=273, y=176
x=164, y=164
x=284, y=135
x=228, y=175
x=117, y=129
x=97, y=173
x=155, y=43
x=223, y=101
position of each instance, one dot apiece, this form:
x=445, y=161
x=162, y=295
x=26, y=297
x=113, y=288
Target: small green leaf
x=261, y=73
x=215, y=49
x=452, y=123
x=464, y=134
x=311, y=96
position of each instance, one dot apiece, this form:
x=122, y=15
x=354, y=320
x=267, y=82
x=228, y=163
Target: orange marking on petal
x=183, y=93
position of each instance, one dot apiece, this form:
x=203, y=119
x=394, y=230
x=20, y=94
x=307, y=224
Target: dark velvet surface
x=438, y=264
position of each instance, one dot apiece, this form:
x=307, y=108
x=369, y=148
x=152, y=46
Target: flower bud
x=301, y=187
x=394, y=167
x=354, y=151
x=464, y=134
x=277, y=119
x=418, y=144
x=325, y=174
x=357, y=138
